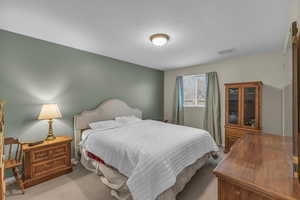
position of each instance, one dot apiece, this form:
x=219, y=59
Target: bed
x=144, y=160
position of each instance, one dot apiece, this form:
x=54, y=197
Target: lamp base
x=50, y=135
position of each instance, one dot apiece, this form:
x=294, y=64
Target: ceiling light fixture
x=159, y=39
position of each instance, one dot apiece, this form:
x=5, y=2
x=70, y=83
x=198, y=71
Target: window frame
x=195, y=99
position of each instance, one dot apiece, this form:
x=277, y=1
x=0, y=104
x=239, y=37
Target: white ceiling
x=121, y=29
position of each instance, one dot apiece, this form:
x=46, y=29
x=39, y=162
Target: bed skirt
x=117, y=182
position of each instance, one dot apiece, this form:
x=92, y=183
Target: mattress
x=116, y=181
x=149, y=153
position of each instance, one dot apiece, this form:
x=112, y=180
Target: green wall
x=34, y=72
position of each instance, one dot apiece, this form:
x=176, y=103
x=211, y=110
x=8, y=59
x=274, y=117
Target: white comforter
x=150, y=153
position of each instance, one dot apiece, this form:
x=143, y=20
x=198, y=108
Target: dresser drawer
x=239, y=132
x=49, y=153
x=229, y=191
x=234, y=132
x=45, y=168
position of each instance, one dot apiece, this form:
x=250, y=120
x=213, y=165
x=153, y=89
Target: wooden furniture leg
x=18, y=178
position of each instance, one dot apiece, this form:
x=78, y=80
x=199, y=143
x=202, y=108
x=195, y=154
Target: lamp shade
x=49, y=111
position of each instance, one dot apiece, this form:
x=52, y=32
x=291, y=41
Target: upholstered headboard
x=107, y=110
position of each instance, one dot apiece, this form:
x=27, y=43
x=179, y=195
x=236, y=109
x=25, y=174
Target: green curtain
x=212, y=117
x=178, y=112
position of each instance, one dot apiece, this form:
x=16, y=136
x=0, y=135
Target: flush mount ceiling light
x=159, y=39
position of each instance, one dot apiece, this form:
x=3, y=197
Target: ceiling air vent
x=226, y=51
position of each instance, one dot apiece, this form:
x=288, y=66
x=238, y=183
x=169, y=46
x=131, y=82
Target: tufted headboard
x=107, y=110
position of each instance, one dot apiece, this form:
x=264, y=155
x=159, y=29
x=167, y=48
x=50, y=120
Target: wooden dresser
x=2, y=182
x=258, y=167
x=48, y=160
x=242, y=110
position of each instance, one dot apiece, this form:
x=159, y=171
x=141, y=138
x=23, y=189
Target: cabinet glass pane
x=249, y=106
x=233, y=106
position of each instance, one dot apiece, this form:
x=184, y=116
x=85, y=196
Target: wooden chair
x=13, y=162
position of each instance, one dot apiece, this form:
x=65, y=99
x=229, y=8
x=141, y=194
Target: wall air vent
x=226, y=51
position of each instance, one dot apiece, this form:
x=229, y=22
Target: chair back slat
x=19, y=159
x=10, y=152
x=17, y=153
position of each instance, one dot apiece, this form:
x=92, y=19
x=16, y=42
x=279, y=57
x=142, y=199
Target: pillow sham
x=103, y=125
x=127, y=119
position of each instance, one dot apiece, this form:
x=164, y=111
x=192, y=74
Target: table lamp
x=50, y=112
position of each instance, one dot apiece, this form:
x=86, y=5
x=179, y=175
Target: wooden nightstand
x=47, y=160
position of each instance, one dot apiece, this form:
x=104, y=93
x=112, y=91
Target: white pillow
x=127, y=119
x=104, y=125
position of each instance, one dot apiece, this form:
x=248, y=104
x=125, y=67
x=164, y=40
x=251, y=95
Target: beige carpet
x=84, y=185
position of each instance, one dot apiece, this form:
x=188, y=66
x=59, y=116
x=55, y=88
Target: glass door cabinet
x=243, y=110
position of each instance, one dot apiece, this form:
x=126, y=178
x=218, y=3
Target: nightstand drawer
x=49, y=153
x=40, y=155
x=59, y=151
x=46, y=168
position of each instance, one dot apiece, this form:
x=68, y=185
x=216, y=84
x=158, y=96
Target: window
x=194, y=90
